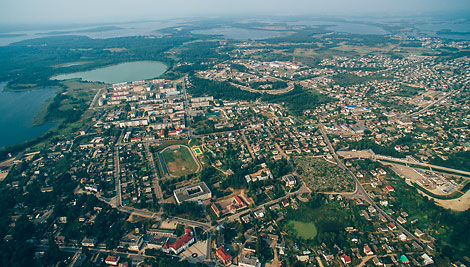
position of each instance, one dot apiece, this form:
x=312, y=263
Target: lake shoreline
x=39, y=122
x=64, y=76
x=19, y=111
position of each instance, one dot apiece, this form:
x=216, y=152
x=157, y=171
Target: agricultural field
x=322, y=176
x=177, y=161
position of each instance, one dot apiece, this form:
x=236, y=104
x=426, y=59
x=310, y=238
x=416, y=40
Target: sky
x=82, y=11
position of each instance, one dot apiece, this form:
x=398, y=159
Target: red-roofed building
x=392, y=226
x=239, y=201
x=182, y=243
x=390, y=188
x=223, y=255
x=367, y=250
x=346, y=259
x=215, y=209
x=112, y=260
x=178, y=131
x=285, y=202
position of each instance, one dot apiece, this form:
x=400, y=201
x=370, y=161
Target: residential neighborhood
x=263, y=156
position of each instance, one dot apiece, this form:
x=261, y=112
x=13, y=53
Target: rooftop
x=195, y=192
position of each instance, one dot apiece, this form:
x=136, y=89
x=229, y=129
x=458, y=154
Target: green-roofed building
x=404, y=259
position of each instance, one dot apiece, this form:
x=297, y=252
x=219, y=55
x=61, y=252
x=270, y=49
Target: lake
x=357, y=28
x=239, y=33
x=347, y=27
x=124, y=72
x=18, y=110
x=145, y=28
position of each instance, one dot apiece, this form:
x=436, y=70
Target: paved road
x=451, y=93
x=289, y=88
x=216, y=133
x=95, y=98
x=361, y=192
x=117, y=172
x=430, y=166
x=188, y=110
x=156, y=185
x=136, y=258
x=248, y=146
x=209, y=246
x=236, y=216
x=278, y=147
x=158, y=216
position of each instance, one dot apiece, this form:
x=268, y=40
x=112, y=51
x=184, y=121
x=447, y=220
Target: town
x=341, y=164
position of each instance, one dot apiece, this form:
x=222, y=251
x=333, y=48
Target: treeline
x=298, y=100
x=219, y=90
x=369, y=39
x=301, y=36
x=408, y=91
x=68, y=115
x=203, y=51
x=459, y=161
x=239, y=67
x=272, y=85
x=453, y=242
x=22, y=146
x=378, y=149
x=278, y=168
x=161, y=259
x=191, y=209
x=189, y=68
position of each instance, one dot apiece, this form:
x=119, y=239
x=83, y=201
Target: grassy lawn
x=179, y=161
x=303, y=229
x=78, y=93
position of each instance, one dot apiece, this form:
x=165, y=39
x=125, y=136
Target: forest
x=31, y=63
x=459, y=161
x=298, y=100
x=219, y=90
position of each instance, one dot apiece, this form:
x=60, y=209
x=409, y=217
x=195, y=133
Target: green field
x=303, y=229
x=179, y=162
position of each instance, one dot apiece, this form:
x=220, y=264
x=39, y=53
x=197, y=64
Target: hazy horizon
x=27, y=12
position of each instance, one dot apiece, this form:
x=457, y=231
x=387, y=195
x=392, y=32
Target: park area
x=315, y=220
x=305, y=230
x=177, y=161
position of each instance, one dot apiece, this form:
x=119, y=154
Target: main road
x=187, y=107
x=136, y=258
x=156, y=185
x=360, y=191
x=117, y=171
x=155, y=215
x=435, y=102
x=430, y=166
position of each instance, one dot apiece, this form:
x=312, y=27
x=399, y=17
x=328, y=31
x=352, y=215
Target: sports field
x=197, y=150
x=303, y=229
x=179, y=161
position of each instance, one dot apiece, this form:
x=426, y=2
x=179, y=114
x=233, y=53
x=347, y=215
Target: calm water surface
x=17, y=111
x=239, y=33
x=125, y=72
